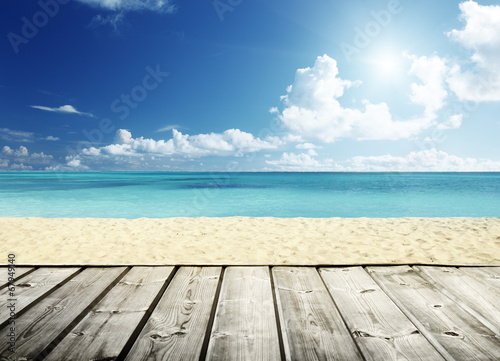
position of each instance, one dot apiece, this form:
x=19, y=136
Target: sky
x=249, y=85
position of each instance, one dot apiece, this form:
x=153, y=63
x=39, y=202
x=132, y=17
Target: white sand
x=251, y=241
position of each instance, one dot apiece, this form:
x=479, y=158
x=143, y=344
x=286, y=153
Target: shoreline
x=454, y=241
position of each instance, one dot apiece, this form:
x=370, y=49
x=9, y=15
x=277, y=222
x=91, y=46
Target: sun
x=386, y=64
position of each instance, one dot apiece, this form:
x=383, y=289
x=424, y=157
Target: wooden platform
x=252, y=313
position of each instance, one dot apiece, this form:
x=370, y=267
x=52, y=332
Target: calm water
x=134, y=195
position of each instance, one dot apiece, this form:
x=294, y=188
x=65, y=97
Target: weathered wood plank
x=465, y=286
x=34, y=286
x=492, y=271
x=488, y=275
x=245, y=322
x=378, y=326
x=311, y=325
x=38, y=330
x=19, y=272
x=103, y=333
x=177, y=326
x=455, y=333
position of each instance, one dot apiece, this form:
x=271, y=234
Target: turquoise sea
x=158, y=195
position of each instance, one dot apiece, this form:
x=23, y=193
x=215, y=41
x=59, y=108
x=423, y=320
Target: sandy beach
x=251, y=241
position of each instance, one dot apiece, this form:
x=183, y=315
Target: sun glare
x=386, y=64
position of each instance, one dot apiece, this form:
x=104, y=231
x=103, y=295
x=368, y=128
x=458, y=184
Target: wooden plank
x=468, y=288
x=35, y=285
x=493, y=272
x=45, y=324
x=378, y=326
x=103, y=333
x=311, y=325
x=489, y=275
x=454, y=332
x=245, y=322
x=18, y=273
x=177, y=326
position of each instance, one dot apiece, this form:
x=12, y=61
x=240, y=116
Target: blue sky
x=240, y=85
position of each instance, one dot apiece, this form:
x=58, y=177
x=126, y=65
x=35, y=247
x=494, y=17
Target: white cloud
x=114, y=20
x=16, y=135
x=292, y=138
x=69, y=109
x=426, y=160
x=454, y=122
x=168, y=128
x=51, y=138
x=161, y=6
x=313, y=111
x=21, y=159
x=303, y=162
x=21, y=152
x=126, y=148
x=431, y=93
x=20, y=166
x=232, y=140
x=481, y=35
x=74, y=163
x=7, y=150
x=92, y=151
x=306, y=146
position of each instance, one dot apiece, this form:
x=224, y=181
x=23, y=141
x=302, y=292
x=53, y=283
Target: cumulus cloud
x=454, y=122
x=426, y=160
x=126, y=148
x=431, y=93
x=230, y=141
x=161, y=6
x=303, y=162
x=68, y=109
x=7, y=150
x=21, y=152
x=74, y=163
x=306, y=146
x=20, y=166
x=11, y=135
x=481, y=35
x=313, y=111
x=21, y=159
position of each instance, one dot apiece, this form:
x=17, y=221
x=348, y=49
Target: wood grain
x=378, y=326
x=34, y=286
x=245, y=322
x=103, y=333
x=469, y=289
x=178, y=324
x=39, y=328
x=19, y=272
x=455, y=333
x=311, y=325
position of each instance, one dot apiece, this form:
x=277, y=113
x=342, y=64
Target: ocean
x=172, y=194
